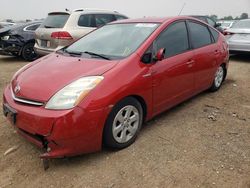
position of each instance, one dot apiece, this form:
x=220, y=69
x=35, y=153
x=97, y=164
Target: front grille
x=25, y=101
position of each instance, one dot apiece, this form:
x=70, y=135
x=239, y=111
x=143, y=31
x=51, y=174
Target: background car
x=238, y=36
x=19, y=40
x=209, y=21
x=6, y=24
x=226, y=24
x=60, y=29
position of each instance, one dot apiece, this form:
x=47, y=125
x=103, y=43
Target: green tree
x=228, y=18
x=244, y=16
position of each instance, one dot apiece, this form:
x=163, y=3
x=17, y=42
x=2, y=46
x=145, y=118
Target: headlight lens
x=72, y=94
x=5, y=37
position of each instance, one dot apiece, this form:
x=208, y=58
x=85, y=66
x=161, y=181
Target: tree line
x=242, y=16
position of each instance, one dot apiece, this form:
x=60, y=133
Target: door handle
x=190, y=63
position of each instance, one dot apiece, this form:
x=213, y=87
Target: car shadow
x=11, y=59
x=241, y=57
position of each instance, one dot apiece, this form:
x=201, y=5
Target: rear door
x=173, y=77
x=206, y=52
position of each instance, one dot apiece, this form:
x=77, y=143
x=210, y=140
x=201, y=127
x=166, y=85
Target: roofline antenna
x=184, y=4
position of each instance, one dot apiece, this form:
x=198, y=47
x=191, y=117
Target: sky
x=34, y=9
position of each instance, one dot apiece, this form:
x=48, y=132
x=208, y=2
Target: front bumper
x=10, y=48
x=60, y=132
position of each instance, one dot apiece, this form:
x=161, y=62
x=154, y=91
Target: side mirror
x=147, y=58
x=160, y=55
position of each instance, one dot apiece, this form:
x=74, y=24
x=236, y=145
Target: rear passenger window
x=215, y=34
x=102, y=19
x=86, y=20
x=200, y=35
x=174, y=39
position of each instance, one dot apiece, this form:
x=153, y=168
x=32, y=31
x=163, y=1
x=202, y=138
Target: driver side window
x=174, y=39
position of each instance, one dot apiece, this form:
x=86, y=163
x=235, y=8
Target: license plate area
x=45, y=43
x=10, y=113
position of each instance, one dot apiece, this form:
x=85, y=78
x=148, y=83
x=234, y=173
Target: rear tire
x=218, y=78
x=123, y=124
x=28, y=52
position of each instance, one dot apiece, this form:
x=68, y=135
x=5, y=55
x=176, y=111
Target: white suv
x=61, y=29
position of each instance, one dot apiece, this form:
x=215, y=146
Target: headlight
x=72, y=94
x=5, y=37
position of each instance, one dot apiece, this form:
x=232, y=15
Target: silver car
x=226, y=24
x=61, y=29
x=238, y=36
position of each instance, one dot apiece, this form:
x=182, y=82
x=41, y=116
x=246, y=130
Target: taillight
x=61, y=35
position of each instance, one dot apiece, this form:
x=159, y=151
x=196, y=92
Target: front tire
x=28, y=52
x=123, y=124
x=218, y=78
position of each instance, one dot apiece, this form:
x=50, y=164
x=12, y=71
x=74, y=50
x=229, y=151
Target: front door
x=173, y=77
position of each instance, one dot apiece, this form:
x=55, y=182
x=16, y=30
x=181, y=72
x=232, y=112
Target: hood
x=238, y=30
x=3, y=31
x=40, y=80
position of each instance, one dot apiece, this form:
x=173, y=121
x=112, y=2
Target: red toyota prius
x=99, y=90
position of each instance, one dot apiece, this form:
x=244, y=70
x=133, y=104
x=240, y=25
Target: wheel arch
x=25, y=43
x=225, y=69
x=143, y=105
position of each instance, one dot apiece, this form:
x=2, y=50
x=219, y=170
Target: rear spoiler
x=59, y=13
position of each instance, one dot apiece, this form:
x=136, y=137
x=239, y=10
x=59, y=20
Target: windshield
x=115, y=41
x=244, y=24
x=55, y=21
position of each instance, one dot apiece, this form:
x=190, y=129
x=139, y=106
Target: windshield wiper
x=72, y=53
x=98, y=55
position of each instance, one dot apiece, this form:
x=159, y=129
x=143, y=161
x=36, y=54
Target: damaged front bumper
x=10, y=47
x=60, y=133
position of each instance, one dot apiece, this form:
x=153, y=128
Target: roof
x=145, y=20
x=152, y=19
x=84, y=10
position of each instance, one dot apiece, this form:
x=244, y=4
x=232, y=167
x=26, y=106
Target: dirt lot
x=204, y=142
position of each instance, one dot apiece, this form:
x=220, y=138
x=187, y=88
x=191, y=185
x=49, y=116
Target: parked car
x=238, y=36
x=102, y=88
x=6, y=24
x=209, y=21
x=226, y=24
x=61, y=29
x=18, y=40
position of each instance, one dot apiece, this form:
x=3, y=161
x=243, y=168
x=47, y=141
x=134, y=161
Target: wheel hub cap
x=125, y=124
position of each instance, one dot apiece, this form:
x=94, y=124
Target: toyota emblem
x=17, y=89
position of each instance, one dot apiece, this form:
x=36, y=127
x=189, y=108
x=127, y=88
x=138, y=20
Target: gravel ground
x=204, y=142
